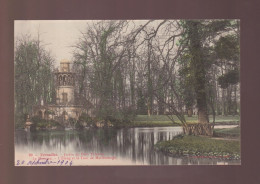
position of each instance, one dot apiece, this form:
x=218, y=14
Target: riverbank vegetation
x=152, y=121
x=42, y=124
x=137, y=121
x=201, y=147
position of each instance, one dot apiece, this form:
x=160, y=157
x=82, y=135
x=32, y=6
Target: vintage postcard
x=127, y=92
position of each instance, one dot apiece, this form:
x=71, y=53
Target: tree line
x=34, y=77
x=124, y=68
x=160, y=67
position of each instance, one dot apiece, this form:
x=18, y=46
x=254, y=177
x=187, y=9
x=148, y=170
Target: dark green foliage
x=85, y=118
x=39, y=123
x=212, y=49
x=197, y=66
x=122, y=118
x=127, y=114
x=227, y=48
x=230, y=78
x=186, y=85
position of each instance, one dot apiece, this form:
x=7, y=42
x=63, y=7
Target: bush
x=128, y=114
x=44, y=124
x=85, y=118
x=76, y=124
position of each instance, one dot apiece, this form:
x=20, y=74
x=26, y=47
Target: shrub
x=85, y=118
x=43, y=124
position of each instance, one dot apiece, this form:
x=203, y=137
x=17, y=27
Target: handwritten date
x=43, y=162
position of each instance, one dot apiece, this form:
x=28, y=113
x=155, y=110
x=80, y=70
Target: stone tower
x=65, y=106
x=65, y=84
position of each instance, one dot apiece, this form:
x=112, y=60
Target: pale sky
x=57, y=35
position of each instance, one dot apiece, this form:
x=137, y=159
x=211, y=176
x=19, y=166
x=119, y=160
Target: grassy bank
x=163, y=120
x=200, y=147
x=227, y=132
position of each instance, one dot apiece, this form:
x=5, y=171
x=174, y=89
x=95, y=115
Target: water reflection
x=134, y=146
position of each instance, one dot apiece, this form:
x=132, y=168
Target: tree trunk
x=190, y=112
x=198, y=67
x=149, y=83
x=148, y=108
x=223, y=102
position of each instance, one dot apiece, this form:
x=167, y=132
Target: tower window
x=64, y=97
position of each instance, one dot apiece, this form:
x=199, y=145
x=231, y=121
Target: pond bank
x=163, y=120
x=198, y=146
x=233, y=133
x=167, y=123
x=138, y=121
x=220, y=132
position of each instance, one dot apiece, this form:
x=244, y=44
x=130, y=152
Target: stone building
x=65, y=106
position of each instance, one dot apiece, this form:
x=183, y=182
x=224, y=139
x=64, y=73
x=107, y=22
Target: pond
x=131, y=146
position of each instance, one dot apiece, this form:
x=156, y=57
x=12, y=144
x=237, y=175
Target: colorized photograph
x=127, y=92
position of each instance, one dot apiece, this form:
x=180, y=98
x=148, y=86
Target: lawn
x=163, y=120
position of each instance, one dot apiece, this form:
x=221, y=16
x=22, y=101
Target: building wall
x=67, y=112
x=69, y=90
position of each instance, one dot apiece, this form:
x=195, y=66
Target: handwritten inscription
x=54, y=159
x=43, y=162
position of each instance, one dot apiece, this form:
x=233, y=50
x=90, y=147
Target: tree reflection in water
x=134, y=145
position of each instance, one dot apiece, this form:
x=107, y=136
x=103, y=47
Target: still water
x=132, y=146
